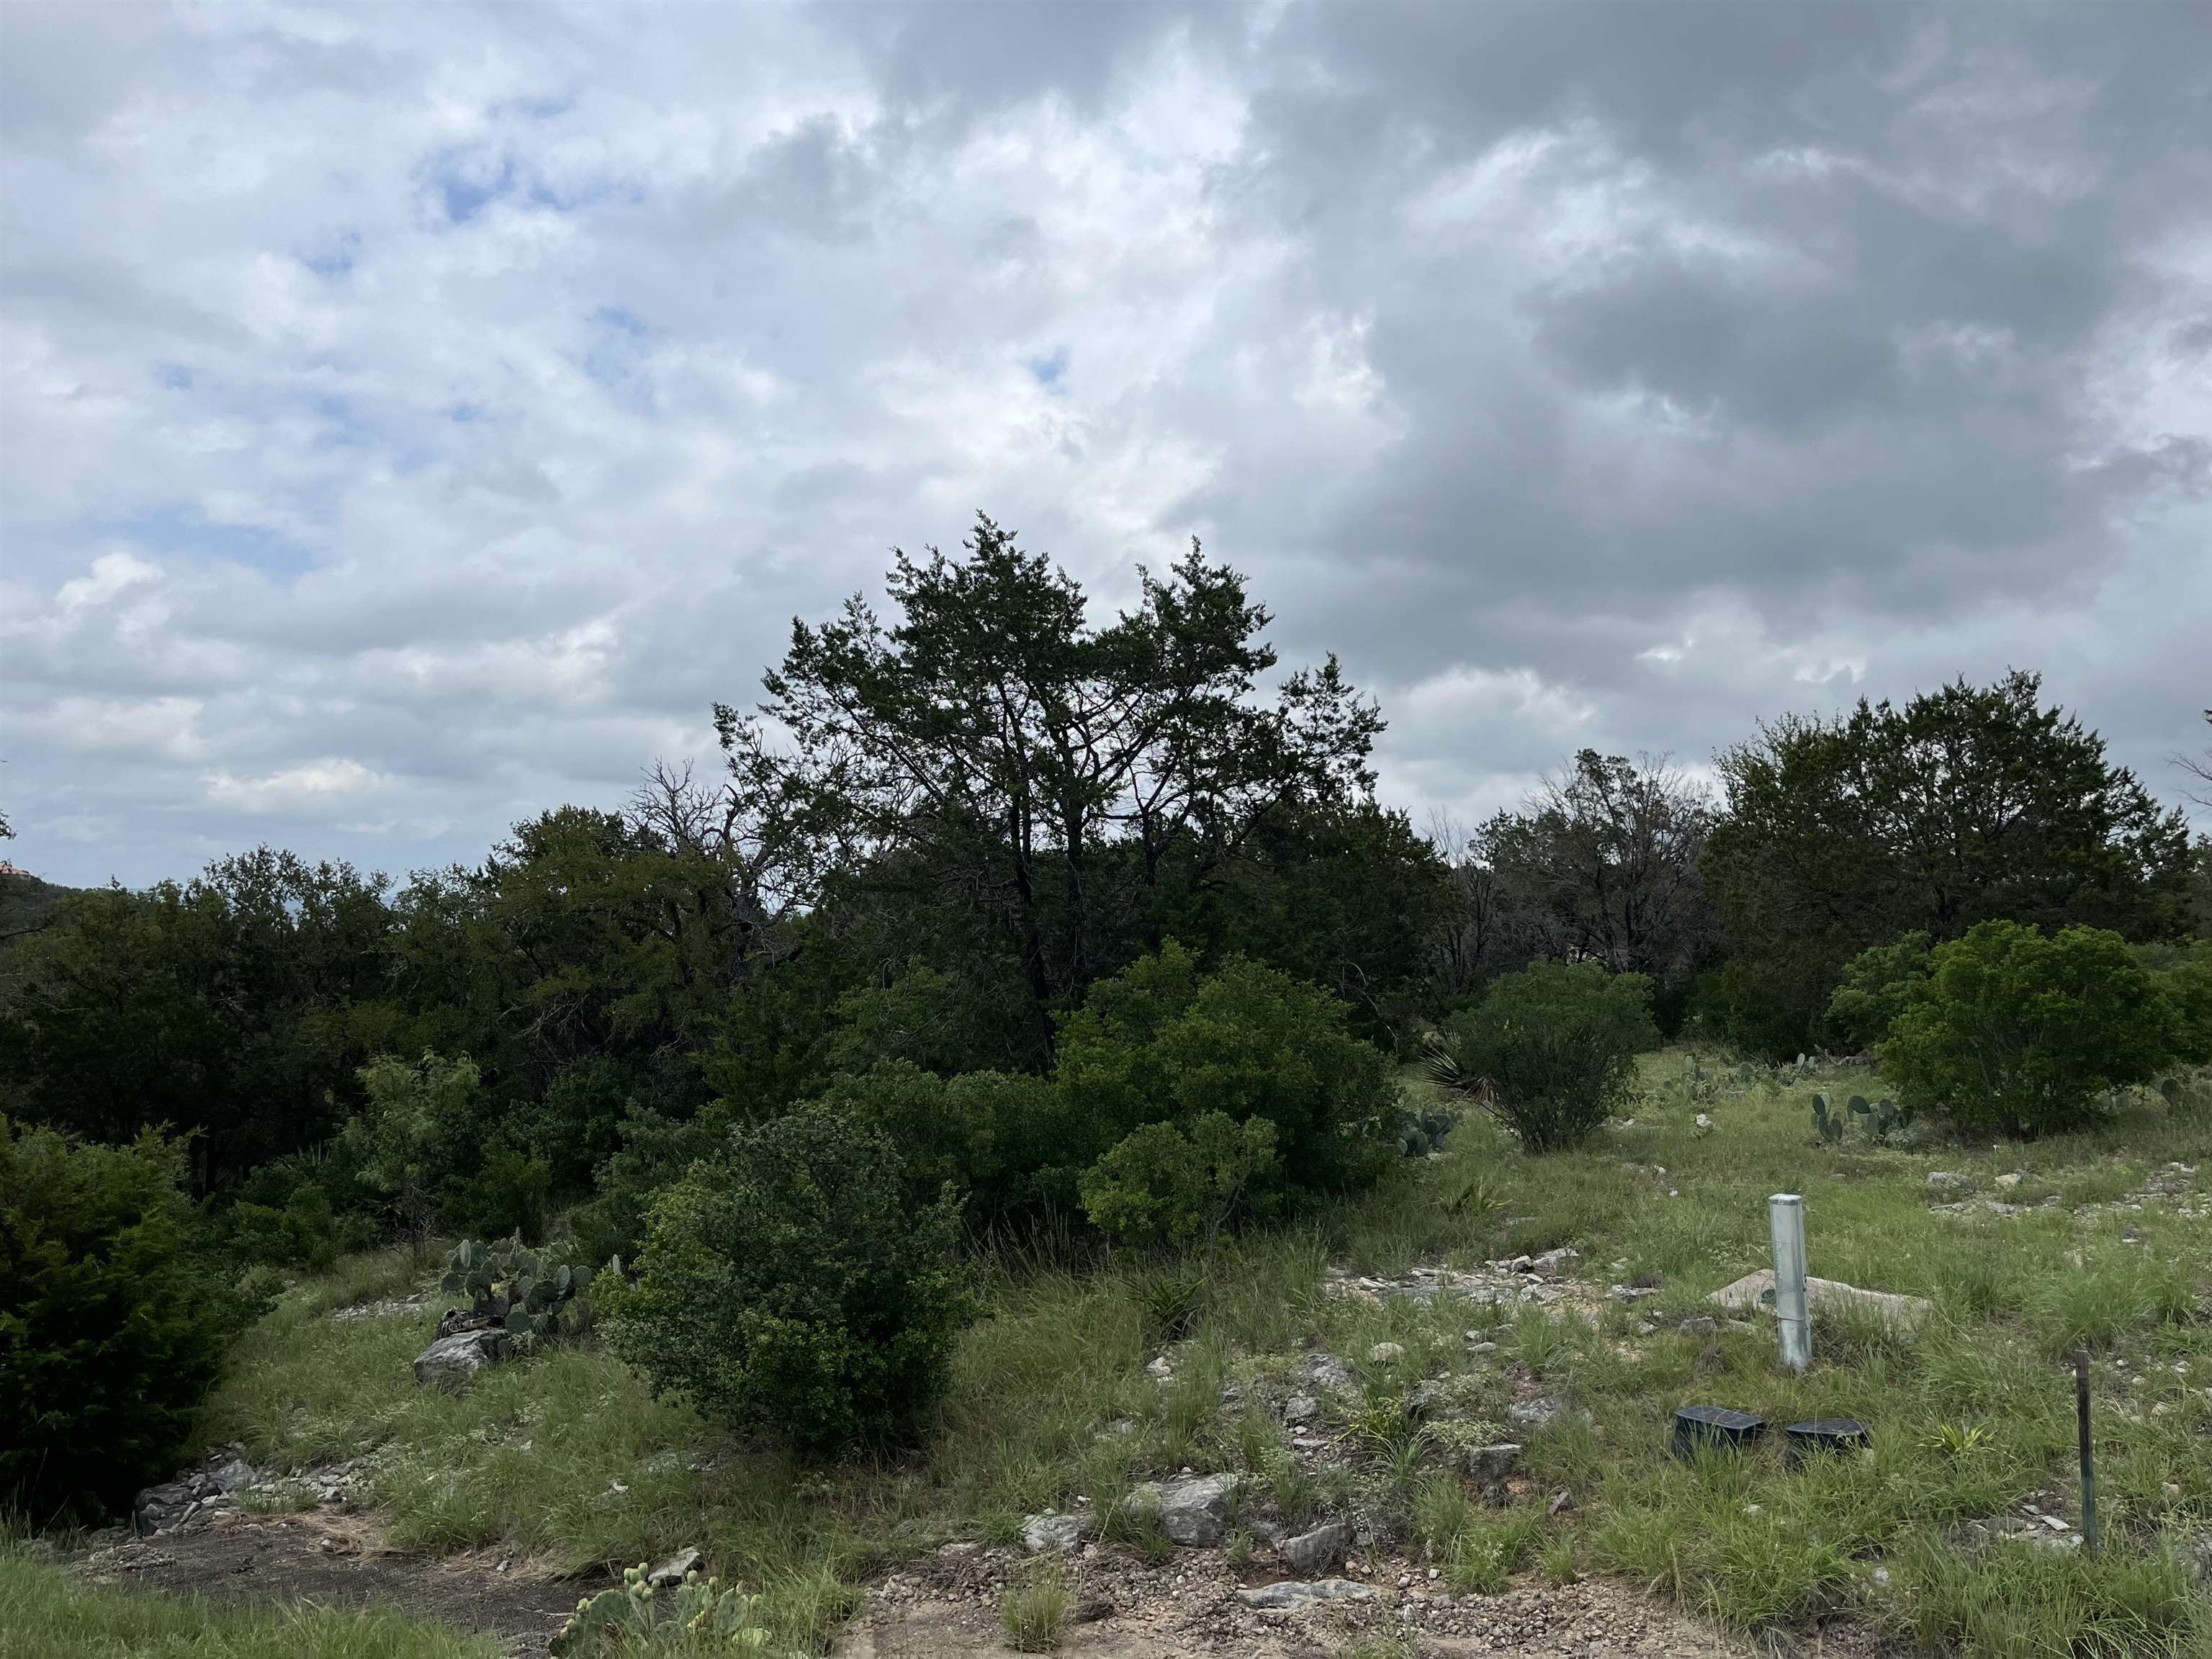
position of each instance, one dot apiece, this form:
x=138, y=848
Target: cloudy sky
x=415, y=418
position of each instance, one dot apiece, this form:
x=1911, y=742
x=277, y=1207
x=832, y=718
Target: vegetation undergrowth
x=568, y=1457
x=45, y=1614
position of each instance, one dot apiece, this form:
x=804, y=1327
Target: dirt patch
x=340, y=1561
x=1122, y=1609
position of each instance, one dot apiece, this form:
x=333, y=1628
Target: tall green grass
x=45, y=1614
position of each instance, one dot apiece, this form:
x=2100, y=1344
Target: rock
x=235, y=1476
x=1949, y=1180
x=1553, y=1264
x=1538, y=1413
x=1330, y=1374
x=673, y=1572
x=1317, y=1551
x=1386, y=1353
x=1476, y=1347
x=157, y=1509
x=1704, y=1123
x=1300, y=1408
x=2009, y=1182
x=1194, y=1509
x=1159, y=1370
x=1050, y=1531
x=451, y=1361
x=1296, y=1593
x=458, y=1320
x=1633, y=1292
x=1756, y=1290
x=1491, y=1464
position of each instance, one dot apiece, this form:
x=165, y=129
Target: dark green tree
x=994, y=765
x=1601, y=865
x=1969, y=803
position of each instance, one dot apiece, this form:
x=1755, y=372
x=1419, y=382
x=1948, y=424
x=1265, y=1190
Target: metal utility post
x=1785, y=1215
x=2090, y=1539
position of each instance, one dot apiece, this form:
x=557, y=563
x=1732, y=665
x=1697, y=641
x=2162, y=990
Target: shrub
x=2018, y=1032
x=1160, y=1043
x=113, y=1320
x=1877, y=987
x=793, y=1285
x=1003, y=1137
x=2188, y=987
x=1556, y=1045
x=1161, y=1186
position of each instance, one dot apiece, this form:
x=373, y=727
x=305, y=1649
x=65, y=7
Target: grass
x=567, y=1457
x=1033, y=1610
x=45, y=1615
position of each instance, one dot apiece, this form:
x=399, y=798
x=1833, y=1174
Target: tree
x=1601, y=865
x=220, y=1006
x=991, y=756
x=113, y=1321
x=1968, y=803
x=2198, y=766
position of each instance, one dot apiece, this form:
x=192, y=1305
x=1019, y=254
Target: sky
x=413, y=419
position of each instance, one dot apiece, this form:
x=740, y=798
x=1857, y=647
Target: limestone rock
x=1296, y=1593
x=452, y=1361
x=1538, y=1413
x=674, y=1570
x=1490, y=1465
x=1949, y=1180
x=1300, y=1408
x=1194, y=1509
x=1317, y=1551
x=1051, y=1531
x=1754, y=1291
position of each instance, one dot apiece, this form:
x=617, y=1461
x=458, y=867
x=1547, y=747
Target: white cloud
x=415, y=418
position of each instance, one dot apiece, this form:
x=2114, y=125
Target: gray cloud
x=419, y=416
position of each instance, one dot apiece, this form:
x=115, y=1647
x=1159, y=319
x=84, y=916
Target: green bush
x=1161, y=1186
x=1550, y=1051
x=2018, y=1032
x=793, y=1285
x=1159, y=1043
x=1877, y=987
x=113, y=1320
x=420, y=1123
x=1003, y=1138
x=2188, y=987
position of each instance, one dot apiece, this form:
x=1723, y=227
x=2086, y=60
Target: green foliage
x=792, y=1286
x=2187, y=985
x=1004, y=1139
x=1556, y=1045
x=2018, y=1032
x=1968, y=803
x=113, y=1320
x=409, y=1136
x=1161, y=1043
x=1877, y=986
x=698, y=1615
x=1164, y=1187
x=219, y=1007
x=532, y=1293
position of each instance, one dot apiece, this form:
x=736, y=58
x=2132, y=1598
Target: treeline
x=941, y=831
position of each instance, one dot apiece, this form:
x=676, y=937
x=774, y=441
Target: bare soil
x=340, y=1561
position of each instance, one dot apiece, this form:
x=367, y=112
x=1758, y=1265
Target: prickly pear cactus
x=534, y=1296
x=1830, y=1128
x=640, y=1619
